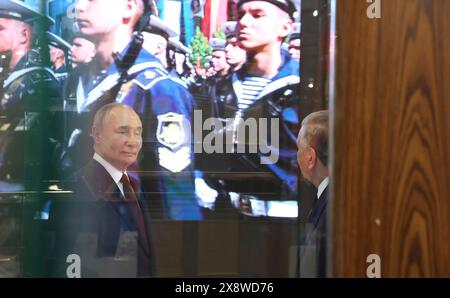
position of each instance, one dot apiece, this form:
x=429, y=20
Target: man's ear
x=286, y=28
x=132, y=11
x=24, y=35
x=96, y=134
x=311, y=158
x=131, y=8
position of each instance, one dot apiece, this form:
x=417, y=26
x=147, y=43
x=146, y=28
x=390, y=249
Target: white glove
x=206, y=196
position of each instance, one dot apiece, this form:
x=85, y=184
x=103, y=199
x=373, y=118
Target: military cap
x=57, y=42
x=229, y=28
x=285, y=5
x=157, y=26
x=217, y=44
x=295, y=34
x=178, y=46
x=14, y=9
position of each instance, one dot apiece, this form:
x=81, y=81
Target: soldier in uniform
x=28, y=89
x=264, y=88
x=234, y=55
x=163, y=105
x=156, y=38
x=59, y=55
x=218, y=61
x=82, y=49
x=179, y=66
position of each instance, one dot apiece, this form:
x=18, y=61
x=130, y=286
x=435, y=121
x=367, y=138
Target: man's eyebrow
x=129, y=127
x=252, y=10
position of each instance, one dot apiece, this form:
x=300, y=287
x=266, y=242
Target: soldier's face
x=9, y=34
x=55, y=54
x=99, y=17
x=218, y=61
x=83, y=51
x=119, y=139
x=233, y=53
x=261, y=23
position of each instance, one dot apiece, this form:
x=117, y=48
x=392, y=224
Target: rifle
x=128, y=60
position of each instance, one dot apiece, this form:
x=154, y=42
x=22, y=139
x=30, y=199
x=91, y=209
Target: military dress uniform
x=27, y=140
x=29, y=94
x=165, y=109
x=270, y=188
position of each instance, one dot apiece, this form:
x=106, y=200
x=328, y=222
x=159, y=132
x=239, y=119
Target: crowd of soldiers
x=49, y=95
x=51, y=89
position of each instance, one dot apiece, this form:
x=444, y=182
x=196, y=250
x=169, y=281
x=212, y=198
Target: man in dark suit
x=108, y=225
x=312, y=156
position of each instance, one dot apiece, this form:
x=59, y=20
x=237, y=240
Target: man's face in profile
x=260, y=23
x=9, y=34
x=83, y=51
x=218, y=61
x=119, y=138
x=98, y=17
x=233, y=53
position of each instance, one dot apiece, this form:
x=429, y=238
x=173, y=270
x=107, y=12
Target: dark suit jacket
x=313, y=257
x=99, y=210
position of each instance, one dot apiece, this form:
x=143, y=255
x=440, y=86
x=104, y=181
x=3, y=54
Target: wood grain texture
x=391, y=140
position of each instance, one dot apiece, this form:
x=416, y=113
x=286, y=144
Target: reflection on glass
x=216, y=87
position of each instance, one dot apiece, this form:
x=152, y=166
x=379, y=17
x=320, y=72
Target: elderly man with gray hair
x=312, y=156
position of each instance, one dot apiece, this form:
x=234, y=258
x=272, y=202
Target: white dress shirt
x=322, y=186
x=115, y=173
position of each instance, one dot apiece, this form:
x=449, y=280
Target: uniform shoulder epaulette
x=149, y=77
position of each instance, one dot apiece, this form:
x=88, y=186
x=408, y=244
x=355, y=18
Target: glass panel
x=195, y=171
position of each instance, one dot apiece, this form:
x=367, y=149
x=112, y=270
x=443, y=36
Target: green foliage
x=200, y=49
x=220, y=34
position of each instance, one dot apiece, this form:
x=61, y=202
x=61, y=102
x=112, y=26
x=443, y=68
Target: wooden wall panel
x=391, y=142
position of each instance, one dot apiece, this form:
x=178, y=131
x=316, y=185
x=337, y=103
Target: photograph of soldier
x=29, y=89
x=123, y=71
x=219, y=66
x=179, y=66
x=126, y=52
x=235, y=56
x=264, y=88
x=82, y=50
x=59, y=56
x=156, y=38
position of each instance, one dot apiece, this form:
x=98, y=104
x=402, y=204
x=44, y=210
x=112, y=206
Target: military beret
x=57, y=42
x=229, y=28
x=217, y=44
